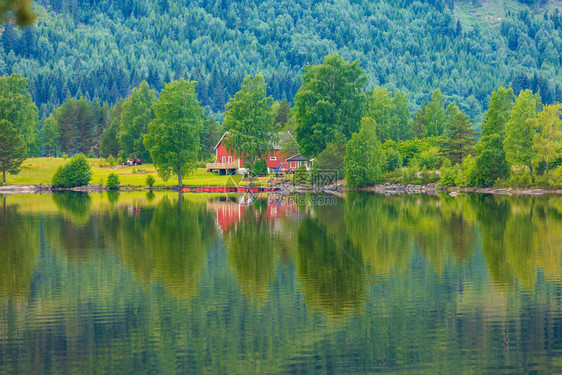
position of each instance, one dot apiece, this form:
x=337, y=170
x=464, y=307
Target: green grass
x=41, y=171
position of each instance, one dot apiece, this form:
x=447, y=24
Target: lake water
x=150, y=283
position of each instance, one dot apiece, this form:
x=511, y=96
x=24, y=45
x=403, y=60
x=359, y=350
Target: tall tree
x=460, y=140
x=173, y=136
x=392, y=114
x=136, y=114
x=77, y=121
x=109, y=143
x=548, y=140
x=12, y=149
x=521, y=129
x=491, y=163
x=249, y=120
x=330, y=101
x=51, y=136
x=435, y=118
x=210, y=135
x=17, y=107
x=364, y=158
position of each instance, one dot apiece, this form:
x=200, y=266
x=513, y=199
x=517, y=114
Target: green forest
x=409, y=91
x=102, y=49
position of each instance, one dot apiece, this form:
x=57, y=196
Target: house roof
x=220, y=140
x=276, y=145
x=297, y=157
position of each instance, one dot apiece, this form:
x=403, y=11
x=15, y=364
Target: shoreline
x=386, y=189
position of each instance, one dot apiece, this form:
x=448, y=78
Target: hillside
x=104, y=48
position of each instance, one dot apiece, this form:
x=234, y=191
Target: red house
x=230, y=163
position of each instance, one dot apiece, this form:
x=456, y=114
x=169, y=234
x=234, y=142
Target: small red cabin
x=230, y=163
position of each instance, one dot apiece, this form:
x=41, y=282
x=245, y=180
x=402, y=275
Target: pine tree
x=461, y=139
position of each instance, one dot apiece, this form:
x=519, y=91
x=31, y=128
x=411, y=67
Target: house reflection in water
x=232, y=209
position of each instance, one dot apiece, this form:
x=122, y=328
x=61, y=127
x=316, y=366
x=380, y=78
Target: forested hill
x=104, y=48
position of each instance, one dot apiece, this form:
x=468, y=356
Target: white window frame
x=230, y=159
x=224, y=159
x=273, y=158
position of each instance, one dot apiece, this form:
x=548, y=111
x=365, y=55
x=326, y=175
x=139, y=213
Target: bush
x=260, y=167
x=150, y=180
x=448, y=174
x=111, y=161
x=521, y=178
x=408, y=176
x=301, y=175
x=77, y=172
x=430, y=159
x=468, y=175
x=91, y=154
x=113, y=181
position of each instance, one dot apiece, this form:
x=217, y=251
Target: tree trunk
x=531, y=169
x=4, y=177
x=180, y=182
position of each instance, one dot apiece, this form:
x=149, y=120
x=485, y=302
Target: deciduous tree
x=329, y=102
x=173, y=136
x=521, y=129
x=364, y=159
x=249, y=119
x=547, y=141
x=491, y=163
x=18, y=108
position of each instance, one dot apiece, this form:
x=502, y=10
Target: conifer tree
x=460, y=140
x=12, y=149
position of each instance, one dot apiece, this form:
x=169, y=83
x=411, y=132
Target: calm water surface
x=151, y=283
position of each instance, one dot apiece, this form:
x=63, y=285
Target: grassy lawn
x=41, y=171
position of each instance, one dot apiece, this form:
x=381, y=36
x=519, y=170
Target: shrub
x=113, y=181
x=150, y=180
x=468, y=174
x=448, y=174
x=301, y=175
x=111, y=161
x=260, y=167
x=430, y=159
x=76, y=172
x=407, y=176
x=521, y=178
x=91, y=154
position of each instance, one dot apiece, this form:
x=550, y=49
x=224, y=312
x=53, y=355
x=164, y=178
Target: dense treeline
x=336, y=120
x=104, y=48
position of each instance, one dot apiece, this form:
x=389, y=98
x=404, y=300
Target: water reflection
x=20, y=249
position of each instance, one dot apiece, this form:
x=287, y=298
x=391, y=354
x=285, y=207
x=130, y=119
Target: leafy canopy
x=249, y=120
x=173, y=136
x=364, y=158
x=329, y=102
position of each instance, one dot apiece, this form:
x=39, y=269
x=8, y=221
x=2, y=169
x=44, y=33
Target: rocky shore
x=41, y=188
x=393, y=189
